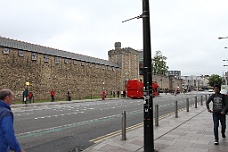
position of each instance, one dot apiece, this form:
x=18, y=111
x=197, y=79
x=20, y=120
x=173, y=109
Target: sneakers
x=216, y=143
x=223, y=136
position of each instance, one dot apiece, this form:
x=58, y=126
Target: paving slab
x=190, y=132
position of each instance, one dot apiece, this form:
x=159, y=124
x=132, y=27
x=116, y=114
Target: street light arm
x=137, y=17
x=223, y=37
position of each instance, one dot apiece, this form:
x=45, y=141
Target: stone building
x=128, y=60
x=84, y=76
x=131, y=63
x=47, y=68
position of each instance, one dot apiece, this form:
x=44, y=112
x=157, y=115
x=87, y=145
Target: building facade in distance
x=174, y=73
x=194, y=82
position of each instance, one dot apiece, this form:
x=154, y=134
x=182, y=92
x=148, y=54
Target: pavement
x=191, y=132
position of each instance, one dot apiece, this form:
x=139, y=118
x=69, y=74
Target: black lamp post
x=147, y=75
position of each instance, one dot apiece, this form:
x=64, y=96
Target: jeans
x=216, y=118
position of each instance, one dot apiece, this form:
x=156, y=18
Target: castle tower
x=128, y=59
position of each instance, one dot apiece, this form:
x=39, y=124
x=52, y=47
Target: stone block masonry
x=44, y=72
x=83, y=76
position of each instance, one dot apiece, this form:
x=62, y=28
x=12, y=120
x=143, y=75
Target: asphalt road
x=66, y=127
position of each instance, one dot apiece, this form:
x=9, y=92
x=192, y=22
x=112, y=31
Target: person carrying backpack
x=218, y=111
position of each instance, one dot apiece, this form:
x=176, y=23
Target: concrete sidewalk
x=190, y=132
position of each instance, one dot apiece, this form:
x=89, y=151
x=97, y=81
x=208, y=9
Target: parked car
x=200, y=89
x=210, y=90
x=224, y=89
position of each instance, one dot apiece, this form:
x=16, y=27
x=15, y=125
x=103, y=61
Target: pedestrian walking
x=8, y=140
x=103, y=95
x=218, y=111
x=25, y=95
x=30, y=96
x=114, y=93
x=118, y=93
x=52, y=95
x=121, y=92
x=124, y=93
x=68, y=96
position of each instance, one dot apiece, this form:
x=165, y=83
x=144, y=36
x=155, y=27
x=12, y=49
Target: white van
x=224, y=89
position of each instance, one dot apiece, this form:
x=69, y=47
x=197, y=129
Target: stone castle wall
x=128, y=60
x=80, y=78
x=83, y=79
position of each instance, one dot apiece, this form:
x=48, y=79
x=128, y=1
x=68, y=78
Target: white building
x=174, y=73
x=194, y=82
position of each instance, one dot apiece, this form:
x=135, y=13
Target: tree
x=159, y=64
x=215, y=79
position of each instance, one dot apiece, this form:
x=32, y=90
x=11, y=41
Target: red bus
x=135, y=89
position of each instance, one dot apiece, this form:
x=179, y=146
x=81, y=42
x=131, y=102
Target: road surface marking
x=118, y=132
x=41, y=132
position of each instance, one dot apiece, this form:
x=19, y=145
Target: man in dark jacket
x=7, y=137
x=25, y=95
x=219, y=108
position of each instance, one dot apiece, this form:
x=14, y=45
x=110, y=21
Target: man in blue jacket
x=8, y=139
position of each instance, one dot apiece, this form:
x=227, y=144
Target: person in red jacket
x=52, y=95
x=103, y=95
x=30, y=96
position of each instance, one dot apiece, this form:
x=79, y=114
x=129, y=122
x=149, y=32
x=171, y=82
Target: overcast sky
x=185, y=31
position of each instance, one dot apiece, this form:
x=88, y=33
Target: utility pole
x=147, y=76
